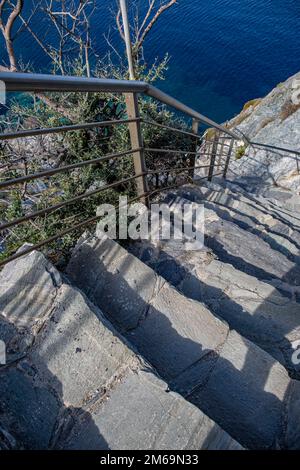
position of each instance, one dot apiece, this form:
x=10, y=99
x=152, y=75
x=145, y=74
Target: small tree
x=35, y=154
x=70, y=23
x=142, y=26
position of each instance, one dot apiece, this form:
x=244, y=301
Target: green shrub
x=72, y=147
x=240, y=152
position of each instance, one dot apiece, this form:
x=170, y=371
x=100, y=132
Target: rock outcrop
x=273, y=120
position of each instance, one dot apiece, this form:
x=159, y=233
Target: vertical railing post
x=195, y=128
x=137, y=142
x=220, y=153
x=213, y=156
x=123, y=8
x=228, y=159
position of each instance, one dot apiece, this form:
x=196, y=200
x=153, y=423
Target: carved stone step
x=239, y=385
x=76, y=383
x=249, y=216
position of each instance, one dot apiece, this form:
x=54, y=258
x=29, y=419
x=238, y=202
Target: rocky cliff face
x=273, y=120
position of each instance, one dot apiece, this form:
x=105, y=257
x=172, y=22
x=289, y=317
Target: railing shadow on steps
x=34, y=397
x=32, y=83
x=219, y=155
x=57, y=420
x=154, y=329
x=221, y=304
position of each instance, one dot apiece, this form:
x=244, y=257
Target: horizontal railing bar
x=219, y=138
x=45, y=83
x=84, y=223
x=201, y=154
x=153, y=123
x=274, y=147
x=147, y=149
x=46, y=173
x=60, y=234
x=166, y=188
x=62, y=204
x=210, y=142
x=50, y=209
x=184, y=168
x=216, y=174
x=47, y=241
x=55, y=130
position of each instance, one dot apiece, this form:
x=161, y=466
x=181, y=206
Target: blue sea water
x=222, y=52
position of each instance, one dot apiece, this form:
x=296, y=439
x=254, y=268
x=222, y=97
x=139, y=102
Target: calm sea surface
x=222, y=52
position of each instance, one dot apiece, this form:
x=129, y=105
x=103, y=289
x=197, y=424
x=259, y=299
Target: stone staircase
x=150, y=346
x=218, y=325
x=73, y=382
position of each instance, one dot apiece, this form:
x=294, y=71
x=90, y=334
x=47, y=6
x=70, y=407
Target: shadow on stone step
x=237, y=384
x=32, y=407
x=33, y=401
x=246, y=221
x=242, y=221
x=276, y=211
x=34, y=413
x=257, y=327
x=291, y=277
x=238, y=243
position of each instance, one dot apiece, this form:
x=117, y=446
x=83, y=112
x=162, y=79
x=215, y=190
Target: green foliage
x=240, y=152
x=61, y=149
x=252, y=103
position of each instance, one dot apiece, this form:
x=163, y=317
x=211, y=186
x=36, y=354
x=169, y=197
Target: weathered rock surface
x=163, y=318
x=238, y=384
x=256, y=309
x=78, y=384
x=245, y=249
x=149, y=418
x=28, y=292
x=274, y=200
x=273, y=120
x=246, y=212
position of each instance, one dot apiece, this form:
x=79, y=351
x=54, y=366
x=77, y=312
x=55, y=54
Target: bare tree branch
x=141, y=31
x=150, y=25
x=147, y=16
x=7, y=27
x=119, y=25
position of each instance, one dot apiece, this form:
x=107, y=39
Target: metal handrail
x=34, y=82
x=176, y=152
x=82, y=224
x=61, y=169
x=69, y=128
x=62, y=204
x=274, y=147
x=44, y=83
x=176, y=104
x=60, y=234
x=173, y=129
x=51, y=83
